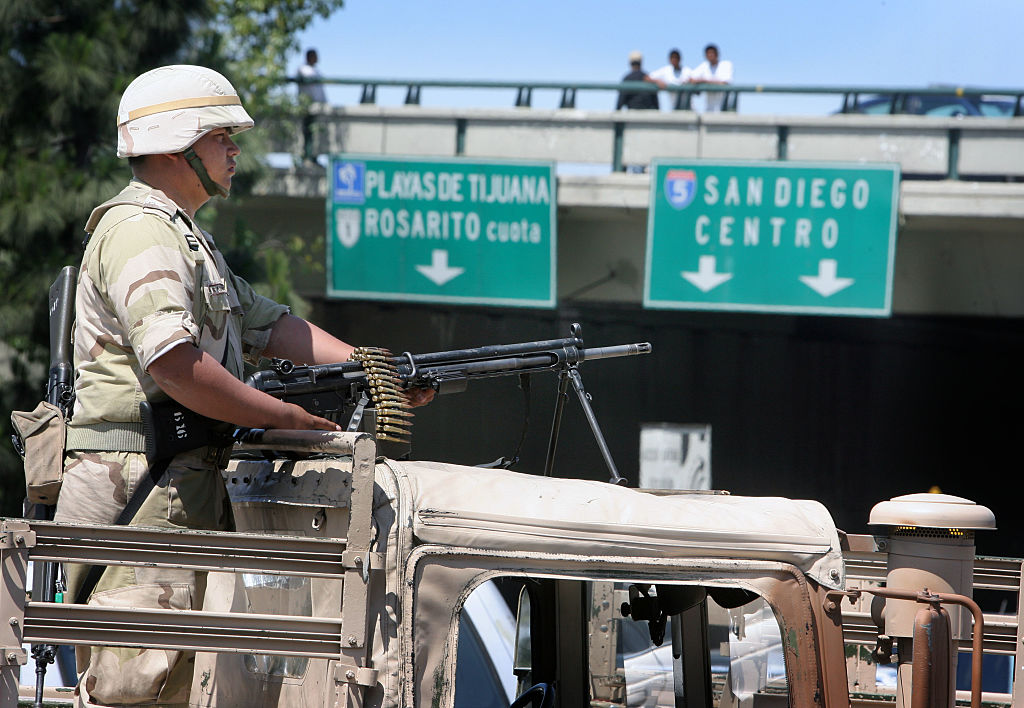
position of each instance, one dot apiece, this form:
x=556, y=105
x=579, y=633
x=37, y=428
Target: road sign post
x=772, y=237
x=442, y=230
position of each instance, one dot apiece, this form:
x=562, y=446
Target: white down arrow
x=706, y=278
x=439, y=272
x=825, y=283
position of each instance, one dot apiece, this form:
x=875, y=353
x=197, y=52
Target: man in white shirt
x=712, y=71
x=672, y=74
x=309, y=85
x=309, y=79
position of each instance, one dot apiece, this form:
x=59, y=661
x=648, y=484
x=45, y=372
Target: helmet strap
x=211, y=187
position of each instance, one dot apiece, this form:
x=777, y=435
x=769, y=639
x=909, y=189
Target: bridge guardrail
x=684, y=93
x=925, y=147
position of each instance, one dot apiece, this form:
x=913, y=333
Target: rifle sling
x=142, y=492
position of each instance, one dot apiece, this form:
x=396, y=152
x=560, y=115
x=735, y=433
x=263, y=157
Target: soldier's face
x=218, y=152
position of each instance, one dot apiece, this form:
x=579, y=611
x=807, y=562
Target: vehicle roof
x=491, y=509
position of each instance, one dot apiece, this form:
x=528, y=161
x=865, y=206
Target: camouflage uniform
x=150, y=280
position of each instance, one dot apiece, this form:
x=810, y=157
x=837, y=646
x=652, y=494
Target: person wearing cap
x=160, y=315
x=635, y=100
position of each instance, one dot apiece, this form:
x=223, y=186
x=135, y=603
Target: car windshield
x=935, y=105
x=996, y=107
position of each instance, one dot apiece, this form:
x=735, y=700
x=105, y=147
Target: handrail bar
x=647, y=86
x=271, y=554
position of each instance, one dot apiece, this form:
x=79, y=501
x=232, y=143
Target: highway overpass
x=961, y=200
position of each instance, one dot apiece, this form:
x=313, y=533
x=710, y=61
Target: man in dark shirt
x=637, y=99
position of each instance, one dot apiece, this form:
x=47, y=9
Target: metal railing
x=965, y=145
x=851, y=95
x=1003, y=633
x=342, y=638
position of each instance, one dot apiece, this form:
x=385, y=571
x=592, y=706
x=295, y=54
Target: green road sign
x=772, y=237
x=441, y=230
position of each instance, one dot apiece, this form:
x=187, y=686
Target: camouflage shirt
x=150, y=280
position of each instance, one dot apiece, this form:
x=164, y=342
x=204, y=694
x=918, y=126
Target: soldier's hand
x=418, y=396
x=300, y=419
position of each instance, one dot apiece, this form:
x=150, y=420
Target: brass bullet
x=384, y=378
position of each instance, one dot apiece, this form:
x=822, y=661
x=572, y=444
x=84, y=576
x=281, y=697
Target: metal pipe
x=584, y=398
x=921, y=673
x=977, y=634
x=782, y=149
x=460, y=136
x=953, y=154
x=617, y=147
x=556, y=421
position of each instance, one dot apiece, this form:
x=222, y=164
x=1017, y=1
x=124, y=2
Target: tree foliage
x=63, y=67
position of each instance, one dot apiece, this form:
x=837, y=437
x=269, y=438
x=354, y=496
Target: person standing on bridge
x=713, y=71
x=309, y=78
x=310, y=87
x=159, y=316
x=672, y=74
x=637, y=100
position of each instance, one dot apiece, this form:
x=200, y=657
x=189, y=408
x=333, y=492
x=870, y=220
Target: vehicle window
x=477, y=683
x=941, y=106
x=484, y=674
x=742, y=657
x=637, y=655
x=948, y=110
x=879, y=107
x=996, y=109
x=756, y=663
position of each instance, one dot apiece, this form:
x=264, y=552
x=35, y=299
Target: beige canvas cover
x=491, y=509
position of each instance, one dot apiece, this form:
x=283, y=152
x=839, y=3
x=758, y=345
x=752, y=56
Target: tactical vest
x=210, y=289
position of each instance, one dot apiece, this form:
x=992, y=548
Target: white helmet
x=168, y=109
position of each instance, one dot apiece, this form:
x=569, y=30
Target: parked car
x=941, y=105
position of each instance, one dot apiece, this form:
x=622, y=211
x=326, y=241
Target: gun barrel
x=493, y=351
x=615, y=351
x=525, y=363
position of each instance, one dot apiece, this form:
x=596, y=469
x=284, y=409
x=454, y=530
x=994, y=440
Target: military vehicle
x=355, y=580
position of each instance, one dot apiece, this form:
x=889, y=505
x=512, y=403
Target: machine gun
x=372, y=385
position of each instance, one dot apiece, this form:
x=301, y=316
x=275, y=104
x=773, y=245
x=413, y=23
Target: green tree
x=63, y=67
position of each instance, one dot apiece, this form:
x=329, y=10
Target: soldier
x=160, y=314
